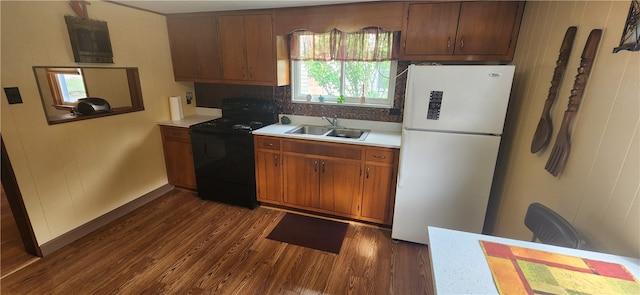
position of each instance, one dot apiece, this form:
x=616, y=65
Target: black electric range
x=223, y=150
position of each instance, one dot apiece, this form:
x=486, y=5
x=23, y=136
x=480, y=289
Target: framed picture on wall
x=89, y=40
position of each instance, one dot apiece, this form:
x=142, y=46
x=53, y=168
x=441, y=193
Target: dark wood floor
x=13, y=256
x=179, y=244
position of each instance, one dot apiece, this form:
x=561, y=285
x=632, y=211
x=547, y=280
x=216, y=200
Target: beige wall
x=72, y=173
x=598, y=191
x=110, y=85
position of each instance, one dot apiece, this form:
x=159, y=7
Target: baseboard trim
x=85, y=229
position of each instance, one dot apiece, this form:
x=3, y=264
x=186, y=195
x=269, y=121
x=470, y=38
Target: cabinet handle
x=268, y=144
x=275, y=160
x=462, y=42
x=315, y=166
x=322, y=166
x=366, y=173
x=379, y=157
x=449, y=42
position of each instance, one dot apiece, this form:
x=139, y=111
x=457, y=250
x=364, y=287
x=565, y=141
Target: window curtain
x=368, y=44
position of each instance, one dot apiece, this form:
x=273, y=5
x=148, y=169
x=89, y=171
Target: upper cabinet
x=194, y=47
x=228, y=48
x=246, y=45
x=474, y=31
x=250, y=47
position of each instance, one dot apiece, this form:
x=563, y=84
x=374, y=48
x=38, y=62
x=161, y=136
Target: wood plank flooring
x=179, y=244
x=13, y=255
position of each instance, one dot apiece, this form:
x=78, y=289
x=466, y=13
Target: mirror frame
x=135, y=91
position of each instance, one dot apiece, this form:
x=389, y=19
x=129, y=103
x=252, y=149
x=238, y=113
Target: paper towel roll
x=175, y=103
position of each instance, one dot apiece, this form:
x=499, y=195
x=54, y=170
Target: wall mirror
x=61, y=89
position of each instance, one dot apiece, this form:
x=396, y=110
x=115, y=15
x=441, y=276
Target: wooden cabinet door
x=259, y=48
x=233, y=47
x=179, y=163
x=377, y=193
x=339, y=186
x=485, y=27
x=269, y=177
x=207, y=48
x=194, y=48
x=182, y=56
x=431, y=28
x=301, y=182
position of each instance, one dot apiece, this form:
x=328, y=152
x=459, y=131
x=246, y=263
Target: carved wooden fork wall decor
x=560, y=153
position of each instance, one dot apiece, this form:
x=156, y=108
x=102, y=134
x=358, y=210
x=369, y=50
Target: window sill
x=346, y=104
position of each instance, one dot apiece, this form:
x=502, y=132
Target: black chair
x=551, y=228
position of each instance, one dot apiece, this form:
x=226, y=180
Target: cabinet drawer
x=175, y=133
x=344, y=151
x=379, y=156
x=268, y=143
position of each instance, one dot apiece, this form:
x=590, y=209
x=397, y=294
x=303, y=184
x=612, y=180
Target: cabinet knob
x=366, y=173
x=275, y=160
x=379, y=157
x=462, y=42
x=268, y=144
x=315, y=166
x=448, y=42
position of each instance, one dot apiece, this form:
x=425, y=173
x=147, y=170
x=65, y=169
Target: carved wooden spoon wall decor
x=543, y=131
x=560, y=153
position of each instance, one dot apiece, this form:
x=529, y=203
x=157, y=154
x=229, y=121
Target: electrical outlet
x=189, y=97
x=395, y=112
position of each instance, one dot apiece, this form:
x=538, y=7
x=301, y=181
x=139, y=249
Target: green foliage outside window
x=372, y=78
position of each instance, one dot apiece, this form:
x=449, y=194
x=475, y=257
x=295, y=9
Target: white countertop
x=202, y=115
x=189, y=120
x=382, y=134
x=459, y=265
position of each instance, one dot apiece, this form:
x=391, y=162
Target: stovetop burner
x=242, y=115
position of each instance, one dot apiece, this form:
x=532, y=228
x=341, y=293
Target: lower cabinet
x=379, y=184
x=330, y=186
x=178, y=157
x=268, y=169
x=339, y=179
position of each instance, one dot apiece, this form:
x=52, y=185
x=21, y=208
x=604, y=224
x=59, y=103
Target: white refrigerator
x=453, y=120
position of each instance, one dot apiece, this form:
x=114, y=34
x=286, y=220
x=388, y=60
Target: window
x=343, y=68
x=67, y=85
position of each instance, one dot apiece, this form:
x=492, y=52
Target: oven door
x=225, y=167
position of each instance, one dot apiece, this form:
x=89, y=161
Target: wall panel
x=598, y=189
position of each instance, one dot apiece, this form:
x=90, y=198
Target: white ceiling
x=172, y=6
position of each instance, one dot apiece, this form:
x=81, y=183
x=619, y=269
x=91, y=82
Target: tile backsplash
x=211, y=95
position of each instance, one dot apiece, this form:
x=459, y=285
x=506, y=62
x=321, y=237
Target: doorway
x=19, y=245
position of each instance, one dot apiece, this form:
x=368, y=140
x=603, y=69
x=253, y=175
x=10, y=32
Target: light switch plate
x=13, y=95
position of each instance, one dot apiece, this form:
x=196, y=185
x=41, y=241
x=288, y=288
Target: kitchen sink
x=309, y=129
x=331, y=131
x=349, y=133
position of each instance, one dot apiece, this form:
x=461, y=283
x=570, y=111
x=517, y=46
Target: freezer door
x=444, y=180
x=467, y=99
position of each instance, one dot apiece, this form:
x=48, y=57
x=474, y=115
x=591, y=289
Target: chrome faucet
x=333, y=121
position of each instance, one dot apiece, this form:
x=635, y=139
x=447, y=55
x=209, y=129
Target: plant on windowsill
x=340, y=99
